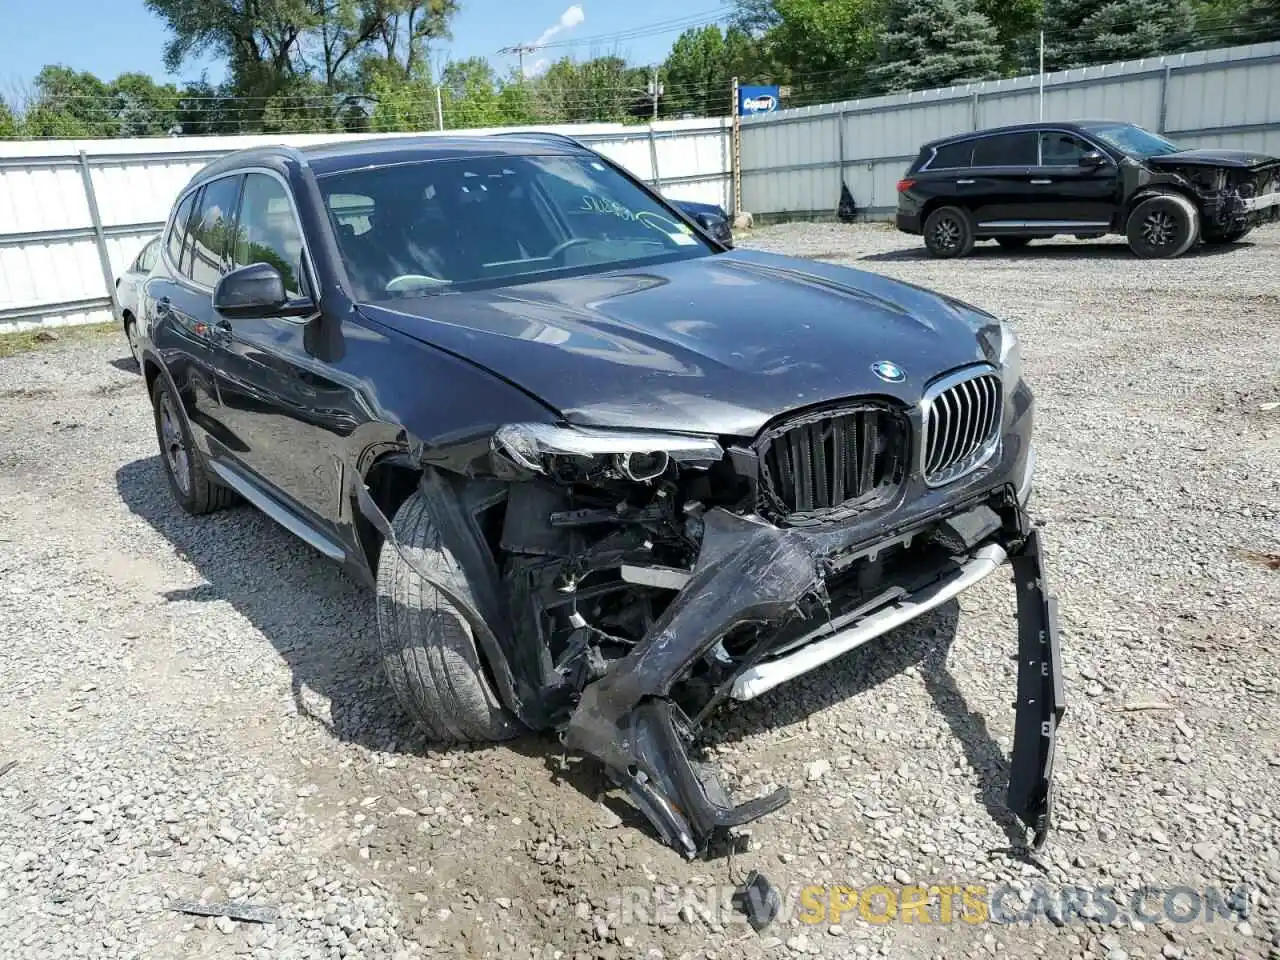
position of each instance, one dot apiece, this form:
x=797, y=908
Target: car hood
x=718, y=344
x=1213, y=157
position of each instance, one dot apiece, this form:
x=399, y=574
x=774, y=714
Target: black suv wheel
x=948, y=232
x=428, y=648
x=1163, y=226
x=189, y=478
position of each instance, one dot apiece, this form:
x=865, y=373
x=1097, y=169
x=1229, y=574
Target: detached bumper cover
x=754, y=573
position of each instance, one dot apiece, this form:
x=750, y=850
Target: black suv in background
x=602, y=471
x=1030, y=181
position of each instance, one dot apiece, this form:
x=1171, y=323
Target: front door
x=287, y=411
x=1066, y=194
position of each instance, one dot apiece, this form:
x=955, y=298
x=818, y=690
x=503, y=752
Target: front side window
x=210, y=229
x=179, y=229
x=1133, y=140
x=419, y=228
x=1062, y=149
x=268, y=232
x=1006, y=150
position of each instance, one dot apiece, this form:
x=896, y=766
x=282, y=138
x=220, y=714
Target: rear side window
x=1006, y=150
x=179, y=229
x=268, y=232
x=210, y=228
x=953, y=155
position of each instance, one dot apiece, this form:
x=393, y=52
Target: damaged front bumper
x=754, y=573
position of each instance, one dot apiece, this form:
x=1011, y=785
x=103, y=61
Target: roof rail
x=540, y=135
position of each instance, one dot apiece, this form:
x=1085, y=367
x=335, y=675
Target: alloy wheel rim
x=131, y=334
x=946, y=234
x=1158, y=229
x=175, y=445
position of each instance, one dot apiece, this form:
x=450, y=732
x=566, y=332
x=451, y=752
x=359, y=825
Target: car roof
x=340, y=155
x=1018, y=128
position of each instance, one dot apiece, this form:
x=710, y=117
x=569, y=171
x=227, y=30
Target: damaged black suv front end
x=657, y=575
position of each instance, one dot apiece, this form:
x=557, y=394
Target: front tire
x=190, y=480
x=1231, y=236
x=1163, y=226
x=948, y=232
x=427, y=643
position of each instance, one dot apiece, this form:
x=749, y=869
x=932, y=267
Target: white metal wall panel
x=1189, y=95
x=50, y=267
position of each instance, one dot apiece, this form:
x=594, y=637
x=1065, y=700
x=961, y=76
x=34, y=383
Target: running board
x=765, y=676
x=277, y=511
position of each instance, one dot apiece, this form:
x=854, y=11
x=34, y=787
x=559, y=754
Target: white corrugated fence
x=73, y=214
x=793, y=161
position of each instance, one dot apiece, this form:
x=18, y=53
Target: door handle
x=1041, y=182
x=964, y=183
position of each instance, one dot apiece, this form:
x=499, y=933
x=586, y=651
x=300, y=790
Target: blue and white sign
x=752, y=100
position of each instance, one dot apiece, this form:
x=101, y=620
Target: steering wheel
x=412, y=281
x=560, y=248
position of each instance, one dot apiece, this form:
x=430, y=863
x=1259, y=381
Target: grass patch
x=27, y=340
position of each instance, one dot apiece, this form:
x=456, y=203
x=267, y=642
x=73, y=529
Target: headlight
x=635, y=456
x=1010, y=357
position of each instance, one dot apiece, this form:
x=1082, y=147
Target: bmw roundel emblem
x=888, y=371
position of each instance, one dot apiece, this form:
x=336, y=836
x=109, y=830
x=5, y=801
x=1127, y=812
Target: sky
x=111, y=37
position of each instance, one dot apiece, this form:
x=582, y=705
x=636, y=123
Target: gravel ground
x=196, y=714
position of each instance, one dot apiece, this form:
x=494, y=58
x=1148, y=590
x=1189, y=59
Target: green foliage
x=1081, y=32
x=934, y=43
x=8, y=122
x=698, y=72
x=296, y=66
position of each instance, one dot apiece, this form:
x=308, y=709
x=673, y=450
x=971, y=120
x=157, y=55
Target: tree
x=144, y=108
x=600, y=90
x=9, y=126
x=1081, y=32
x=698, y=72
x=934, y=43
x=67, y=103
x=821, y=48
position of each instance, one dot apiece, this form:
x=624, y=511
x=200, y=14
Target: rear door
x=1001, y=176
x=1082, y=198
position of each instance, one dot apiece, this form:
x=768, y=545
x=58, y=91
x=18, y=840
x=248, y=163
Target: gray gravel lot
x=195, y=711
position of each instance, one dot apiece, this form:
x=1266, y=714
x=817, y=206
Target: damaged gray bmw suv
x=603, y=472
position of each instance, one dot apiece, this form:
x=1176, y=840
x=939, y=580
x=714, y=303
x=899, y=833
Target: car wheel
x=428, y=647
x=1163, y=226
x=189, y=478
x=1013, y=243
x=1231, y=236
x=131, y=335
x=948, y=232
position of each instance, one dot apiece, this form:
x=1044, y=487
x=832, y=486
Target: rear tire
x=1013, y=243
x=131, y=335
x=190, y=479
x=428, y=647
x=948, y=232
x=1163, y=226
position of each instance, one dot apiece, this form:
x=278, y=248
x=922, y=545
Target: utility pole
x=655, y=91
x=519, y=49
x=1042, y=74
x=737, y=152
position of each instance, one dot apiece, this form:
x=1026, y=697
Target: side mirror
x=1092, y=160
x=256, y=290
x=718, y=227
